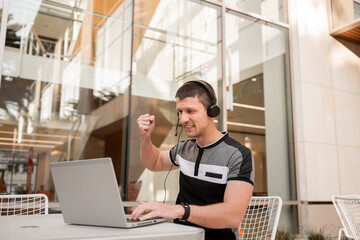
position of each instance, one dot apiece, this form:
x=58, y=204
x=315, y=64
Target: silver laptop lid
x=88, y=192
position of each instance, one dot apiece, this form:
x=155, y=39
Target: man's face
x=192, y=116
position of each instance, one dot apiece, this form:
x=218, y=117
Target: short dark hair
x=193, y=89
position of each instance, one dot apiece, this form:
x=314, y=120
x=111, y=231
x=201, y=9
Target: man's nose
x=184, y=118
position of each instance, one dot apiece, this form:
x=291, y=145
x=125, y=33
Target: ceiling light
x=27, y=145
x=33, y=141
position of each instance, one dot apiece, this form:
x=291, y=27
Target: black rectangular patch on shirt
x=213, y=175
x=198, y=160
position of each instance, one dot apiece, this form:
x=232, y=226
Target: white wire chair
x=348, y=209
x=23, y=204
x=261, y=218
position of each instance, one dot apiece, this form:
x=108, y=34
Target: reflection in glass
x=356, y=9
x=1, y=11
x=64, y=86
x=174, y=41
x=258, y=100
x=273, y=9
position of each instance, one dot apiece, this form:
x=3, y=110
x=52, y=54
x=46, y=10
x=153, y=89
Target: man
x=216, y=171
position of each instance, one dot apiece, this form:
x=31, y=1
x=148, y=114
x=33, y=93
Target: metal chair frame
x=261, y=218
x=348, y=210
x=23, y=204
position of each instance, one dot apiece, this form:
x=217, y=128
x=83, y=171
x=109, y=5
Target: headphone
x=213, y=110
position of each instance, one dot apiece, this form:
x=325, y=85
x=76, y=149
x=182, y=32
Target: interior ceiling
x=42, y=139
x=53, y=20
x=50, y=26
x=15, y=96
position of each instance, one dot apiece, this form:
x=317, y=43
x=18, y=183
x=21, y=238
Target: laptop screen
x=88, y=192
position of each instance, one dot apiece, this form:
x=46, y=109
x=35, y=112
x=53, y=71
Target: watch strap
x=187, y=211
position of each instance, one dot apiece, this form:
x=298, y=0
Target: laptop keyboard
x=132, y=221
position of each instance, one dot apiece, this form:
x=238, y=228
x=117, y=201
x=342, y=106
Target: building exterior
x=76, y=74
x=326, y=86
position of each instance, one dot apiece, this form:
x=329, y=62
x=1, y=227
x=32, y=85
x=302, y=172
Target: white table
x=52, y=226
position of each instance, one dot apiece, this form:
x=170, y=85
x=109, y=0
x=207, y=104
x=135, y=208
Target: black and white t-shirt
x=205, y=171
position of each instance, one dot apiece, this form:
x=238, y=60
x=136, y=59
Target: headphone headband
x=208, y=89
x=213, y=110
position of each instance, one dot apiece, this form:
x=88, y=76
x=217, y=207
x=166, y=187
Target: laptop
x=88, y=194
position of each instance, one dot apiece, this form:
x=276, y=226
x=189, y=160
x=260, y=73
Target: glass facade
x=256, y=83
x=176, y=43
x=356, y=9
x=272, y=9
x=64, y=94
x=77, y=74
x=258, y=102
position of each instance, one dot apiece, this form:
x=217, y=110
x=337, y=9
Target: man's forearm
x=149, y=154
x=220, y=215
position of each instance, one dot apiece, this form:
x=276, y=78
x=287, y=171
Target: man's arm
x=152, y=158
x=227, y=214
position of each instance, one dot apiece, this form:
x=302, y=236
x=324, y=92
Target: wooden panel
x=349, y=32
x=352, y=35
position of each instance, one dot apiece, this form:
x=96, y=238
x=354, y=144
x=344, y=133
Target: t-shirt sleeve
x=242, y=168
x=172, y=156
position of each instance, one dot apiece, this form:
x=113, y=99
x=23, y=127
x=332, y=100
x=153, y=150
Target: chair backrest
x=261, y=218
x=24, y=204
x=348, y=209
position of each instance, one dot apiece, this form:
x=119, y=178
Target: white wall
x=326, y=84
x=346, y=84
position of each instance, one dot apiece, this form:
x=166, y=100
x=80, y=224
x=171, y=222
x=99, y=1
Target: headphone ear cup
x=213, y=110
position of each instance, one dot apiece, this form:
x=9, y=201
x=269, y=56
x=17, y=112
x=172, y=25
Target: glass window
x=65, y=81
x=273, y=9
x=356, y=9
x=1, y=10
x=259, y=100
x=174, y=41
x=64, y=87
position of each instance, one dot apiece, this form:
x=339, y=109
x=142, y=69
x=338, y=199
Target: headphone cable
x=177, y=144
